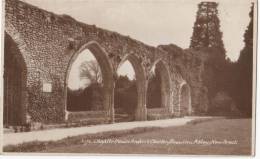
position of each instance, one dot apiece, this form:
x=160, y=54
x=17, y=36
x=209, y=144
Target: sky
x=154, y=22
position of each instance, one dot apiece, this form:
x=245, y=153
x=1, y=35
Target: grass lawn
x=237, y=131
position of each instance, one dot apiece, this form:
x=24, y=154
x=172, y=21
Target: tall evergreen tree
x=245, y=69
x=206, y=30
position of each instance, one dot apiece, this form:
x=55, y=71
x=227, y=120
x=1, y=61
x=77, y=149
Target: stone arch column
x=107, y=76
x=141, y=111
x=185, y=107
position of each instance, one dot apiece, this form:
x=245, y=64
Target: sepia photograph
x=128, y=77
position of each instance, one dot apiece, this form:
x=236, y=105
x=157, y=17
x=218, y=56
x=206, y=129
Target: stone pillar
x=141, y=110
x=66, y=115
x=109, y=102
x=170, y=106
x=111, y=109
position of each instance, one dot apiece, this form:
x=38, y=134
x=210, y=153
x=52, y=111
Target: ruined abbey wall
x=48, y=42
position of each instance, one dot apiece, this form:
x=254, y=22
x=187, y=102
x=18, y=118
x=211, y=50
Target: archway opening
x=185, y=100
x=15, y=76
x=85, y=84
x=131, y=67
x=89, y=85
x=125, y=93
x=158, y=91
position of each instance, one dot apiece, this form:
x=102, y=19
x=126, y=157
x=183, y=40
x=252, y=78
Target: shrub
x=222, y=104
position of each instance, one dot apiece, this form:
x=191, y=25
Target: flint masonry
x=40, y=48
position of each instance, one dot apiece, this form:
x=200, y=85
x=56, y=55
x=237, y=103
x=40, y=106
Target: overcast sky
x=155, y=22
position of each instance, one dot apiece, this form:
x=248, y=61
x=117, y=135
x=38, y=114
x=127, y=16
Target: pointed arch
x=185, y=107
x=107, y=76
x=141, y=84
x=165, y=83
x=15, y=82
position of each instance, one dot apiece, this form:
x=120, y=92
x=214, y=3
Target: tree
x=91, y=71
x=245, y=69
x=206, y=30
x=90, y=97
x=126, y=94
x=207, y=37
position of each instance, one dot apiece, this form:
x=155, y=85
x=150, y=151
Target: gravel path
x=57, y=134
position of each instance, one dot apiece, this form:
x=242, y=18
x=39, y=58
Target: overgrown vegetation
x=126, y=95
x=228, y=84
x=89, y=98
x=243, y=71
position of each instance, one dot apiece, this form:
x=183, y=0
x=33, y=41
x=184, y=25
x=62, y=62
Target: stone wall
x=48, y=42
x=191, y=64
